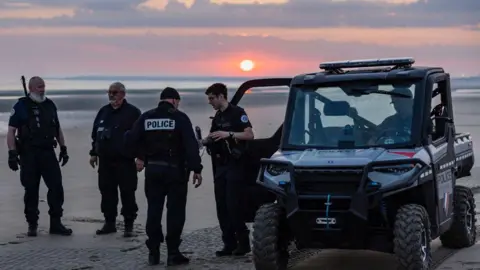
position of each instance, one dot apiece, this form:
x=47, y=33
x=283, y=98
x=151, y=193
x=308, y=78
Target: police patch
x=244, y=118
x=160, y=124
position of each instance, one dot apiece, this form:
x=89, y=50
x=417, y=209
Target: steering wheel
x=391, y=136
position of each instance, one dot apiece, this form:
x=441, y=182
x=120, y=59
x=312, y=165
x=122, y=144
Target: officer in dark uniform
x=33, y=133
x=116, y=167
x=169, y=149
x=226, y=142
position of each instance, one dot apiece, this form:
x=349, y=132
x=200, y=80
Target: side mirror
x=336, y=108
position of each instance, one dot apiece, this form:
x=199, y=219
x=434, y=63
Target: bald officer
x=33, y=133
x=116, y=167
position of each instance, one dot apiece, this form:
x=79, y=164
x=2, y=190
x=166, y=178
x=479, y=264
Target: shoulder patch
x=12, y=112
x=159, y=124
x=244, y=118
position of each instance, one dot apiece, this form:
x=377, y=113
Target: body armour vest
x=162, y=136
x=224, y=149
x=41, y=127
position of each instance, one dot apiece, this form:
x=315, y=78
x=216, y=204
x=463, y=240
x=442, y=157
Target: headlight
x=400, y=169
x=276, y=170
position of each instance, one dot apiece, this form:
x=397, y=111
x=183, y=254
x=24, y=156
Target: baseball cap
x=170, y=93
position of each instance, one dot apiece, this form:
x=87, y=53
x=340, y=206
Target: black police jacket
x=166, y=134
x=42, y=125
x=109, y=127
x=233, y=119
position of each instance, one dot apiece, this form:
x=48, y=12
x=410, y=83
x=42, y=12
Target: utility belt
x=24, y=145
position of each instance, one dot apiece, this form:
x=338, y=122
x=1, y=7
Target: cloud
x=293, y=14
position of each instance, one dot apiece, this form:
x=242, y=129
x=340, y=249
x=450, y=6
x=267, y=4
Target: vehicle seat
x=315, y=126
x=439, y=111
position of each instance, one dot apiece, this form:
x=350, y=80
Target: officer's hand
x=13, y=160
x=63, y=156
x=197, y=179
x=93, y=161
x=218, y=135
x=140, y=164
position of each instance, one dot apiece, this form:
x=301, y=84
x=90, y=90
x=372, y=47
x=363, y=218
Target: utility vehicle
x=335, y=175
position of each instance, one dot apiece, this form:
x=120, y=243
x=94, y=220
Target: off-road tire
x=269, y=238
x=460, y=235
x=412, y=224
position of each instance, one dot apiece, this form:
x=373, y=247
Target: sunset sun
x=247, y=65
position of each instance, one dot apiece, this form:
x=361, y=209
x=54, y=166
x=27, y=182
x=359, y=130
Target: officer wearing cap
x=33, y=133
x=399, y=124
x=226, y=143
x=116, y=167
x=166, y=143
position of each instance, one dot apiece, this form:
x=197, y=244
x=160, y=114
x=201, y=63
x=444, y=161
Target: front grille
x=320, y=205
x=327, y=181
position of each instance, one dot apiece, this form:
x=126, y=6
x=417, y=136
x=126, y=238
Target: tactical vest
x=162, y=135
x=41, y=127
x=224, y=150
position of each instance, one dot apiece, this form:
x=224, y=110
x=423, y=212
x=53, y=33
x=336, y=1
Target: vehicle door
x=442, y=135
x=265, y=102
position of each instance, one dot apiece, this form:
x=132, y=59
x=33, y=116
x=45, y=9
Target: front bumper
x=334, y=206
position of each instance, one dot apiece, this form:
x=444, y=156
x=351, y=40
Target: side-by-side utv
x=367, y=158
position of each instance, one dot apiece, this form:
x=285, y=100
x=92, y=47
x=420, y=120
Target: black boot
x=56, y=227
x=32, y=230
x=226, y=251
x=177, y=258
x=243, y=247
x=154, y=256
x=153, y=253
x=128, y=228
x=108, y=227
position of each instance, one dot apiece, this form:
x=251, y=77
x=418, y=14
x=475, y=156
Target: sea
x=79, y=98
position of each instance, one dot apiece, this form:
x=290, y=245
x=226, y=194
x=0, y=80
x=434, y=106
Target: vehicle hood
x=339, y=157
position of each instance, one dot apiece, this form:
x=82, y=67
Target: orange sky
x=212, y=38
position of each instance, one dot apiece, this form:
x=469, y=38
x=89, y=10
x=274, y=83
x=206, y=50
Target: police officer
x=230, y=130
x=169, y=149
x=33, y=133
x=399, y=124
x=116, y=167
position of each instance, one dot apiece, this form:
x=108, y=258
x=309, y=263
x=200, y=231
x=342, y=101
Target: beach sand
x=82, y=198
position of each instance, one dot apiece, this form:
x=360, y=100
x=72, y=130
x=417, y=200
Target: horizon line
x=183, y=77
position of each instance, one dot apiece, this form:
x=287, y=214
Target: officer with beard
x=167, y=144
x=33, y=133
x=117, y=169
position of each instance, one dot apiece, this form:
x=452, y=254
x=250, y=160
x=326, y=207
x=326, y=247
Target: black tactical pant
x=112, y=176
x=229, y=188
x=160, y=182
x=36, y=163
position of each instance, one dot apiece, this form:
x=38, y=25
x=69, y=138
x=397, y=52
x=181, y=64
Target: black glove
x=13, y=160
x=63, y=156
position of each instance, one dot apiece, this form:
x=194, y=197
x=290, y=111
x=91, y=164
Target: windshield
x=352, y=115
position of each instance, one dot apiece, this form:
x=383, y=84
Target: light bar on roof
x=401, y=61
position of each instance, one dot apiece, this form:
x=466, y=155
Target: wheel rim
x=424, y=246
x=469, y=218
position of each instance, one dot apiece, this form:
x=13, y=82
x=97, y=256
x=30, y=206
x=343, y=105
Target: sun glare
x=247, y=65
